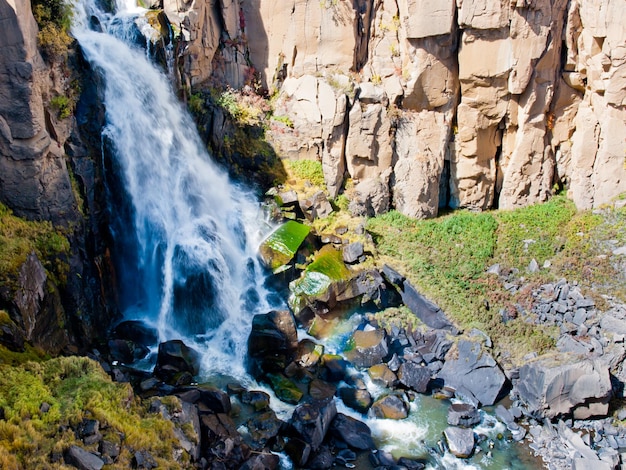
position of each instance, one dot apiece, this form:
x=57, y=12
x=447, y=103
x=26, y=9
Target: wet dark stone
x=264, y=461
x=311, y=421
x=272, y=342
x=390, y=407
x=174, y=358
x=357, y=399
x=262, y=428
x=259, y=400
x=353, y=432
x=137, y=332
x=322, y=459
x=206, y=397
x=298, y=450
x=463, y=415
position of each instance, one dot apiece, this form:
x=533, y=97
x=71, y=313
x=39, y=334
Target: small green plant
x=377, y=79
x=394, y=48
x=62, y=105
x=286, y=120
x=196, y=104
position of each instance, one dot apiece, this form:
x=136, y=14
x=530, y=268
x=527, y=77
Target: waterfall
x=188, y=262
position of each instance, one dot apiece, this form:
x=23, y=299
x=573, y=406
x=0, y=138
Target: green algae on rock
x=281, y=246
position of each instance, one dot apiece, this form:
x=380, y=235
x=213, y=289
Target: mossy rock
x=324, y=273
x=281, y=246
x=285, y=389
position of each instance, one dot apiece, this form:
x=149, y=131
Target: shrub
x=54, y=18
x=63, y=106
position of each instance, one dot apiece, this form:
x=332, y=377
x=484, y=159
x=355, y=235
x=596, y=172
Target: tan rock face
x=512, y=96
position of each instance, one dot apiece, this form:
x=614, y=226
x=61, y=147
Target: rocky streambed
x=336, y=384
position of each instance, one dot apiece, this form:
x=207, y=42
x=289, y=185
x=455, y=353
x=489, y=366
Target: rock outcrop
x=473, y=104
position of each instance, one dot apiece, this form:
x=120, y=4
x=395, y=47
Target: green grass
x=446, y=259
x=307, y=170
x=75, y=388
x=19, y=238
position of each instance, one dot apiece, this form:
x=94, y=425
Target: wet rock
x=272, y=342
x=366, y=348
x=259, y=400
x=390, y=407
x=282, y=244
x=334, y=367
x=81, y=459
x=262, y=428
x=137, y=332
x=463, y=415
x=554, y=386
x=311, y=421
x=126, y=351
x=357, y=399
x=460, y=441
x=411, y=464
x=472, y=368
x=352, y=252
x=263, y=461
x=320, y=389
x=414, y=376
x=175, y=358
x=285, y=389
x=383, y=375
x=309, y=353
x=322, y=459
x=206, y=397
x=353, y=432
x=298, y=450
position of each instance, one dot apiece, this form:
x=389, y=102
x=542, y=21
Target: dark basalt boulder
x=176, y=359
x=353, y=432
x=352, y=252
x=311, y=421
x=263, y=461
x=471, y=368
x=424, y=309
x=207, y=398
x=136, y=331
x=262, y=428
x=358, y=399
x=81, y=459
x=272, y=343
x=414, y=376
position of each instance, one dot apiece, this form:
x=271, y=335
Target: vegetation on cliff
x=19, y=238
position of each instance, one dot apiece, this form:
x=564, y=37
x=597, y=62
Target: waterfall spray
x=194, y=273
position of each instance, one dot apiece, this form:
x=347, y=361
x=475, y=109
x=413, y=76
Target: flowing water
x=186, y=236
x=188, y=263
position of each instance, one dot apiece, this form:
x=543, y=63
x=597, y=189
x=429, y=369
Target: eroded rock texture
x=422, y=103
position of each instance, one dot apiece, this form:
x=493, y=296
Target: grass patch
x=75, y=388
x=447, y=258
x=19, y=238
x=306, y=170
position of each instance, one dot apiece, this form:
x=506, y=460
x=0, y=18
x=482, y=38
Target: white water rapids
x=194, y=274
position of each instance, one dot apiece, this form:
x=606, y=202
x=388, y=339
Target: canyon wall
x=422, y=103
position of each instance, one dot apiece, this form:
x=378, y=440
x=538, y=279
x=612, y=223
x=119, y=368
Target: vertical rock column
x=598, y=63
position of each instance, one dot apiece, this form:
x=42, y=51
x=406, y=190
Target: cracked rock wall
x=429, y=103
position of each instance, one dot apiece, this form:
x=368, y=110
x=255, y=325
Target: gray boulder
x=424, y=309
x=553, y=386
x=460, y=441
x=272, y=343
x=463, y=415
x=352, y=252
x=471, y=368
x=352, y=431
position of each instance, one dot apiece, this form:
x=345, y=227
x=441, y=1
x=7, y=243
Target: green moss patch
x=74, y=388
x=19, y=238
x=282, y=245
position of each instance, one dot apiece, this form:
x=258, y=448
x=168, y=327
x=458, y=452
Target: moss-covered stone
x=319, y=280
x=285, y=389
x=282, y=245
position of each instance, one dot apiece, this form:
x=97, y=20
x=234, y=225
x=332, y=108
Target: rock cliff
x=423, y=104
x=44, y=167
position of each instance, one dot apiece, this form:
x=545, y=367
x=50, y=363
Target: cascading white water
x=195, y=233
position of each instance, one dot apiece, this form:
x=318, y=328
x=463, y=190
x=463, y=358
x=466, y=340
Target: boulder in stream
x=272, y=342
x=367, y=348
x=460, y=441
x=174, y=360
